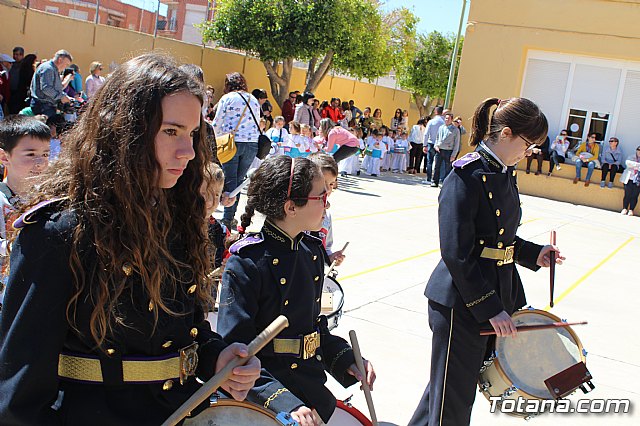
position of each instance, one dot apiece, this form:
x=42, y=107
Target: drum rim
x=341, y=305
x=573, y=334
x=354, y=412
x=229, y=402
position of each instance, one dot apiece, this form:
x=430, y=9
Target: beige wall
x=499, y=35
x=501, y=32
x=45, y=33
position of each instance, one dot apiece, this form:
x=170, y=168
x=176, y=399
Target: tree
x=349, y=36
x=427, y=74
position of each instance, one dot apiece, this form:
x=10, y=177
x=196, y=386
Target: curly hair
x=109, y=175
x=267, y=192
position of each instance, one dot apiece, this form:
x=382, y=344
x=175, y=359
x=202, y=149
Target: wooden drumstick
x=552, y=269
x=522, y=328
x=333, y=264
x=216, y=381
x=365, y=385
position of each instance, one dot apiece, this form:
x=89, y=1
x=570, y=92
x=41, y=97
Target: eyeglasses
x=530, y=145
x=322, y=197
x=563, y=134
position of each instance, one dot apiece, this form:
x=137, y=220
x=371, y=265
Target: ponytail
x=245, y=219
x=480, y=122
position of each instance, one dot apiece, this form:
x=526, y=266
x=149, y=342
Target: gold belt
x=503, y=256
x=303, y=347
x=85, y=369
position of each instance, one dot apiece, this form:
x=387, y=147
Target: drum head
x=332, y=296
x=229, y=412
x=534, y=356
x=347, y=415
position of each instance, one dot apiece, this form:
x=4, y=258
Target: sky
x=440, y=15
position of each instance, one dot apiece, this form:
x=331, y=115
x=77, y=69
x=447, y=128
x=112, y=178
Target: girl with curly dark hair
x=104, y=310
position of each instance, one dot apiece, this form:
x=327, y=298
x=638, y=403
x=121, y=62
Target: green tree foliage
x=350, y=36
x=427, y=74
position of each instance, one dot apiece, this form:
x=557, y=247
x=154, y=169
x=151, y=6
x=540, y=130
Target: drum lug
x=486, y=364
x=285, y=419
x=584, y=352
x=484, y=386
x=347, y=401
x=508, y=392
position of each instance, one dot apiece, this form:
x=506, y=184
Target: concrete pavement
x=391, y=224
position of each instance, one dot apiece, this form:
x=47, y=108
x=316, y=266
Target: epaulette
x=461, y=162
x=27, y=217
x=249, y=240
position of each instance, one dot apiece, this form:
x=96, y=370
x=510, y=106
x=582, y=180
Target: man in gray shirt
x=447, y=146
x=46, y=86
x=430, y=136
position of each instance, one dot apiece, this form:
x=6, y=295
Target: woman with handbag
x=234, y=120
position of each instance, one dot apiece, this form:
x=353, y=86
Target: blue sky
x=440, y=15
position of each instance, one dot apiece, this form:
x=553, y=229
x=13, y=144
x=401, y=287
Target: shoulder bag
x=264, y=143
x=226, y=144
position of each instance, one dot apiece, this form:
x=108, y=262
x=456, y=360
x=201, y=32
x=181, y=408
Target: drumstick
x=552, y=269
x=239, y=188
x=536, y=327
x=365, y=385
x=216, y=381
x=333, y=264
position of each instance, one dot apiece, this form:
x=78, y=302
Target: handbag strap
x=252, y=115
x=240, y=119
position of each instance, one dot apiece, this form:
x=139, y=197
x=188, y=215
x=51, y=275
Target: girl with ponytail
x=476, y=284
x=279, y=271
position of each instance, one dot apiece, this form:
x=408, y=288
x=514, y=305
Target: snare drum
x=332, y=301
x=518, y=367
x=229, y=412
x=347, y=415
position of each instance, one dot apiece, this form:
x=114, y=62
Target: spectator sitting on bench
x=559, y=148
x=611, y=161
x=587, y=155
x=540, y=153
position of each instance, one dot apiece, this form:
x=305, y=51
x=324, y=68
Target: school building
x=579, y=60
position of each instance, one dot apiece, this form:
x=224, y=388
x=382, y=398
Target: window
x=575, y=126
x=79, y=14
x=51, y=9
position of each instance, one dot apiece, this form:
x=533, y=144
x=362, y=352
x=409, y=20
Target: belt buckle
x=311, y=342
x=508, y=255
x=188, y=361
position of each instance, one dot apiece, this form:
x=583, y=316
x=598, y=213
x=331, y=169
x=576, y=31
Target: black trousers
x=457, y=353
x=415, y=156
x=556, y=160
x=631, y=192
x=610, y=169
x=344, y=152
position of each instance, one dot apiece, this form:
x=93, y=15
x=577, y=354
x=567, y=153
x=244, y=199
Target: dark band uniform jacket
x=99, y=386
x=483, y=212
x=270, y=274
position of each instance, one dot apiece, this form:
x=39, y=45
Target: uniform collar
x=272, y=232
x=494, y=161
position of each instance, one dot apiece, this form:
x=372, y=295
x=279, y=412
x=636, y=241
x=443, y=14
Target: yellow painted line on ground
x=377, y=268
x=591, y=271
x=529, y=221
x=385, y=212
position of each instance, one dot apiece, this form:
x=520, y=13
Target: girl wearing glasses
x=279, y=271
x=474, y=288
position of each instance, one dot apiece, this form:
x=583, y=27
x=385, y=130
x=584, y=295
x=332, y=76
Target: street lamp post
x=452, y=69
